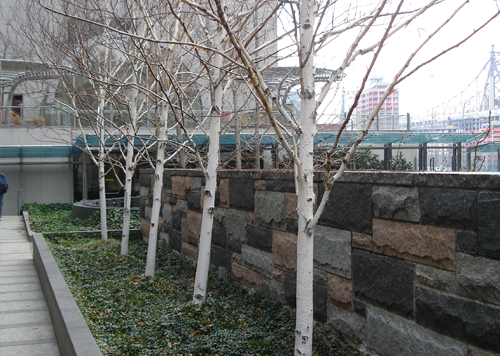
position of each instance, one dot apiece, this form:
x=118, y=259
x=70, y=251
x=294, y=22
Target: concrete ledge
x=71, y=331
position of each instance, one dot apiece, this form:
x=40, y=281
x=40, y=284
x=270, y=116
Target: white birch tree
x=311, y=32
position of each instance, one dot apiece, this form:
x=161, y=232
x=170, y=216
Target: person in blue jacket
x=4, y=186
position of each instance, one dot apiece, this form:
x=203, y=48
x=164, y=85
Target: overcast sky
x=445, y=78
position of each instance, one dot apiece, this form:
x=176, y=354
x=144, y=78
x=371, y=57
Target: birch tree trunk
x=305, y=195
x=129, y=168
x=204, y=247
x=158, y=183
x=102, y=174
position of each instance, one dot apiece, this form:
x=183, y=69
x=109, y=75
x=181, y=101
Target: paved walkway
x=25, y=326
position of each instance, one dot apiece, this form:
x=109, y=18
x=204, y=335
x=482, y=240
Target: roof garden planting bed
x=129, y=314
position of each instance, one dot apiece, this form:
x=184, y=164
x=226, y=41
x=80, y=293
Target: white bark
x=201, y=279
x=129, y=170
x=305, y=195
x=158, y=183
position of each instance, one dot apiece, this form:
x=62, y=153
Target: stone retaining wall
x=405, y=263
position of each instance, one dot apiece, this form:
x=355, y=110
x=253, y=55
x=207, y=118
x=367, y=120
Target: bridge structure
x=475, y=110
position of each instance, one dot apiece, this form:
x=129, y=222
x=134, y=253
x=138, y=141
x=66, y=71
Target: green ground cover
x=129, y=314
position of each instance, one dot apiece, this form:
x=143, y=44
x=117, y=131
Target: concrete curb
x=71, y=331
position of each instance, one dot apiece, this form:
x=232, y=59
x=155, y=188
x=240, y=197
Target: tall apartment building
x=388, y=117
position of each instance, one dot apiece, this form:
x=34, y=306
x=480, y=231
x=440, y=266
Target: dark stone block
x=241, y=192
x=150, y=200
x=488, y=230
x=281, y=186
x=478, y=324
x=233, y=246
x=172, y=201
x=466, y=242
x=359, y=308
x=218, y=236
x=383, y=281
x=193, y=201
x=176, y=222
x=145, y=179
x=221, y=258
x=142, y=208
x=448, y=208
x=167, y=181
x=355, y=210
x=175, y=240
x=320, y=300
x=291, y=289
x=193, y=241
x=260, y=238
x=292, y=226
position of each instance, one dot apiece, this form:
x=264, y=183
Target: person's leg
x=1, y=204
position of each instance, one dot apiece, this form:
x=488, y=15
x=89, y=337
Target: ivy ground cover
x=129, y=314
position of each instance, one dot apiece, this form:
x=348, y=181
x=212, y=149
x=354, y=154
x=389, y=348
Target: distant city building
x=388, y=116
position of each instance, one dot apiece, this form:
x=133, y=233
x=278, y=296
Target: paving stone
x=246, y=276
x=145, y=225
x=176, y=222
x=147, y=213
x=320, y=277
x=332, y=250
x=273, y=288
x=284, y=251
x=142, y=208
x=396, y=203
x=359, y=307
x=476, y=277
x=429, y=245
x=260, y=184
x=340, y=291
x=383, y=281
x=193, y=201
x=167, y=180
x=163, y=238
x=488, y=232
x=175, y=240
x=279, y=275
x=224, y=193
x=451, y=208
x=291, y=206
x=291, y=289
x=320, y=302
x=219, y=236
x=355, y=211
x=194, y=223
x=270, y=209
x=196, y=184
x=476, y=323
x=241, y=194
x=391, y=335
x=181, y=206
x=480, y=277
x=233, y=246
x=145, y=179
x=45, y=349
x=234, y=221
x=476, y=352
x=184, y=230
x=348, y=324
x=258, y=260
x=292, y=226
x=179, y=186
x=189, y=251
x=260, y=237
x=221, y=258
x=167, y=214
x=280, y=186
x=467, y=242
